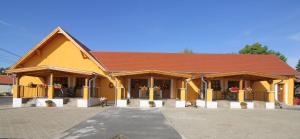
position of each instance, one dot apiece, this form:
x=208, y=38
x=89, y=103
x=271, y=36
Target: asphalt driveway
x=5, y=100
x=133, y=123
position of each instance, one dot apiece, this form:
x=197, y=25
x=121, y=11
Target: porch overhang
x=43, y=70
x=246, y=75
x=129, y=73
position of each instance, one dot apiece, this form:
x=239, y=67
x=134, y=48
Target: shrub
x=151, y=103
x=49, y=103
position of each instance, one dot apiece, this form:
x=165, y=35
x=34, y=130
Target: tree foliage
x=298, y=66
x=257, y=48
x=187, y=51
x=2, y=70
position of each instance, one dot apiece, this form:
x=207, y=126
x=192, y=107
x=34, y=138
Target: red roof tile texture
x=192, y=63
x=6, y=80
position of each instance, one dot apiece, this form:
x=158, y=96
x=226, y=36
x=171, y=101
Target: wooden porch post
x=50, y=87
x=151, y=91
x=241, y=92
x=16, y=88
x=271, y=96
x=182, y=90
x=119, y=89
x=209, y=92
x=86, y=89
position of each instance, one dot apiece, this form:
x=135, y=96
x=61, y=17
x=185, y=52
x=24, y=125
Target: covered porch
x=240, y=89
x=56, y=84
x=150, y=89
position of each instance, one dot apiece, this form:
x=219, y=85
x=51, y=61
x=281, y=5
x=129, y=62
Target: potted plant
x=277, y=104
x=151, y=104
x=243, y=105
x=49, y=103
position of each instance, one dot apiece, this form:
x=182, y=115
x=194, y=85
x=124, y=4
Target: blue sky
x=213, y=26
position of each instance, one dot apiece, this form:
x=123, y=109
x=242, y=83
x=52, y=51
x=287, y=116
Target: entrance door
x=136, y=84
x=165, y=87
x=280, y=92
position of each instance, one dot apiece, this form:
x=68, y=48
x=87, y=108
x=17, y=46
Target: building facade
x=6, y=83
x=61, y=67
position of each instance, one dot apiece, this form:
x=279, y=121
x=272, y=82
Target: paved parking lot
x=194, y=123
x=187, y=123
x=132, y=123
x=41, y=123
x=5, y=100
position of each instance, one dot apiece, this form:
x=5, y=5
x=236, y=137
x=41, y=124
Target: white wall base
x=83, y=103
x=17, y=102
x=158, y=103
x=200, y=103
x=144, y=104
x=121, y=103
x=212, y=105
x=40, y=102
x=94, y=101
x=180, y=104
x=235, y=105
x=250, y=105
x=270, y=105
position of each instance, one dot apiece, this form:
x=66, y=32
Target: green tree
x=298, y=66
x=257, y=48
x=2, y=71
x=187, y=51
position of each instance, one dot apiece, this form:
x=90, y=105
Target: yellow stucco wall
x=61, y=52
x=261, y=88
x=105, y=90
x=193, y=88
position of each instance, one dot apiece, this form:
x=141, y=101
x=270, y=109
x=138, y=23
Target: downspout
x=115, y=93
x=205, y=90
x=91, y=89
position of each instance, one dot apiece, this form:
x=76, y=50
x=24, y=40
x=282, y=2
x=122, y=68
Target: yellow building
x=60, y=67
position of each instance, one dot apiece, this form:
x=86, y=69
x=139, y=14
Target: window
x=233, y=84
x=216, y=85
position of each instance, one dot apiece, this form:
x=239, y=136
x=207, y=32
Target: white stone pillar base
x=121, y=103
x=212, y=105
x=250, y=105
x=270, y=105
x=200, y=103
x=144, y=104
x=158, y=103
x=180, y=104
x=235, y=105
x=17, y=102
x=83, y=103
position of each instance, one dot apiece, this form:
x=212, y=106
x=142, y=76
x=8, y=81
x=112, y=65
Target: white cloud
x=295, y=37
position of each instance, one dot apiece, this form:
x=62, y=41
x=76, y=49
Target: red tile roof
x=4, y=79
x=192, y=63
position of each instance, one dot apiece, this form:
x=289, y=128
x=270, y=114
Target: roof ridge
x=93, y=51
